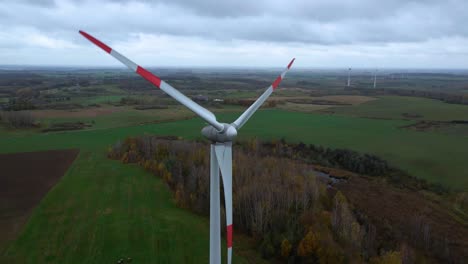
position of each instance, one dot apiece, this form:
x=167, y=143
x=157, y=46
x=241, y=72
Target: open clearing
x=26, y=178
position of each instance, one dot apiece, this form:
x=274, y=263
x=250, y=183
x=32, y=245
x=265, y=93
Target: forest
x=279, y=201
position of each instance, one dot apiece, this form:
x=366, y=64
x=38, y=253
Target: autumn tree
x=308, y=245
x=286, y=248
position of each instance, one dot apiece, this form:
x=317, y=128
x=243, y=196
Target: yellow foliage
x=167, y=176
x=161, y=167
x=340, y=198
x=147, y=164
x=285, y=248
x=308, y=244
x=391, y=257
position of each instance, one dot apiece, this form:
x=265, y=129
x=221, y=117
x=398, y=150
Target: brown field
x=302, y=107
x=348, y=99
x=25, y=179
x=344, y=99
x=311, y=107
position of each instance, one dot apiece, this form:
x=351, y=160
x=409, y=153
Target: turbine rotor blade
x=224, y=158
x=155, y=80
x=254, y=107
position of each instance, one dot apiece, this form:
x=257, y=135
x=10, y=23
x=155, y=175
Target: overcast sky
x=265, y=33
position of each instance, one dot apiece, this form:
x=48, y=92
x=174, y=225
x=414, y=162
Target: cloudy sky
x=264, y=33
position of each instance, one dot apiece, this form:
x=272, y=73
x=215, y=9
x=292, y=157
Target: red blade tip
x=290, y=64
x=96, y=41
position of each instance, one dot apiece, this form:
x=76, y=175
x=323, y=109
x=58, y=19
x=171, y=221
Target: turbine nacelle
x=228, y=133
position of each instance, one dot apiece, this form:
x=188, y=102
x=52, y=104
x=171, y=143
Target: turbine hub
x=228, y=133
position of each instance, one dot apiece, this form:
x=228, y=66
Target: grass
x=127, y=117
x=103, y=210
x=102, y=99
x=433, y=156
x=437, y=157
x=97, y=99
x=393, y=107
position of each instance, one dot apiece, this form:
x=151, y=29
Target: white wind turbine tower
x=221, y=136
x=375, y=79
x=349, y=77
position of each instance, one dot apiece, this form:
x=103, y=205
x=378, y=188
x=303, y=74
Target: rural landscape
x=229, y=132
x=98, y=166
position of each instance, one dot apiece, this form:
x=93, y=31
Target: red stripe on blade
x=96, y=42
x=290, y=64
x=276, y=82
x=229, y=236
x=149, y=76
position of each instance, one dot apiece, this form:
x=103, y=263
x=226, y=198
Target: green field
x=436, y=157
x=103, y=210
x=393, y=107
x=102, y=99
x=127, y=117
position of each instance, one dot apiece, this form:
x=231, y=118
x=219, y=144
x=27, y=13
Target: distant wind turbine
x=349, y=77
x=375, y=78
x=221, y=136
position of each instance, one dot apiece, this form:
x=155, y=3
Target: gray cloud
x=328, y=22
x=322, y=23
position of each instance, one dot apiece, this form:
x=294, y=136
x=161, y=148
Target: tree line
x=360, y=163
x=278, y=200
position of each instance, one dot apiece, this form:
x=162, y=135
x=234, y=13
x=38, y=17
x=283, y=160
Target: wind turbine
x=349, y=77
x=375, y=79
x=221, y=136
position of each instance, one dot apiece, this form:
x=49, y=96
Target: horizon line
x=118, y=67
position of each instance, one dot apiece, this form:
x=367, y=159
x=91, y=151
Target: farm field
x=403, y=148
x=122, y=117
x=339, y=132
x=103, y=204
x=401, y=107
x=27, y=177
x=103, y=210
